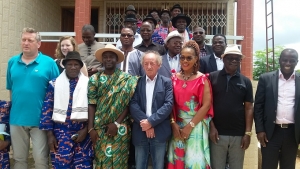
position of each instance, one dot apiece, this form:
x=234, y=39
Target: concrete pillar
x=82, y=17
x=245, y=28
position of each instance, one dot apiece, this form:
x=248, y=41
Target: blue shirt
x=28, y=85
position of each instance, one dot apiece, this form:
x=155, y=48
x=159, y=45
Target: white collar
x=154, y=79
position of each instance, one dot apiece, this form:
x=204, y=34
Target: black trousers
x=282, y=148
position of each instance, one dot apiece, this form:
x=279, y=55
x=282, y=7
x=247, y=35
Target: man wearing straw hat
x=109, y=93
x=230, y=129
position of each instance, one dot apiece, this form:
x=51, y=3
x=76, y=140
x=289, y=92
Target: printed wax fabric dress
x=193, y=152
x=69, y=154
x=111, y=95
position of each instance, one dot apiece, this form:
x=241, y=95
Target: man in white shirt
x=130, y=22
x=150, y=108
x=214, y=62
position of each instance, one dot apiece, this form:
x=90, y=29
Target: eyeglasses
x=196, y=33
x=231, y=59
x=128, y=35
x=189, y=58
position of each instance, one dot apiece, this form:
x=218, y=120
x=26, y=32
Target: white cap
x=233, y=49
x=172, y=35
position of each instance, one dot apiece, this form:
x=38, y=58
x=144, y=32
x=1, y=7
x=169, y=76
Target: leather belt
x=285, y=126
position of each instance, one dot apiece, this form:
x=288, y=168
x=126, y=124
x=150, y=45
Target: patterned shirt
x=163, y=31
x=69, y=154
x=203, y=52
x=156, y=38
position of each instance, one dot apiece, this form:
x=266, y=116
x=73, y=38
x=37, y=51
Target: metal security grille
x=212, y=16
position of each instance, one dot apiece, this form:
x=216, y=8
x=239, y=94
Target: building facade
x=230, y=17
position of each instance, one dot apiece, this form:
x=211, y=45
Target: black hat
x=177, y=6
x=150, y=17
x=164, y=11
x=130, y=18
x=72, y=55
x=188, y=20
x=130, y=8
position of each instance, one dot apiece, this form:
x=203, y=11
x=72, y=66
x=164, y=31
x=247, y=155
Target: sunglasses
x=189, y=58
x=196, y=33
x=128, y=35
x=231, y=59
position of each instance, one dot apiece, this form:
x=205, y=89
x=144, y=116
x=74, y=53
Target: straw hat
x=233, y=49
x=109, y=48
x=2, y=129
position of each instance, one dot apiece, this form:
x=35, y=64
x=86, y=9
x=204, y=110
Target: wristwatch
x=248, y=133
x=192, y=124
x=117, y=124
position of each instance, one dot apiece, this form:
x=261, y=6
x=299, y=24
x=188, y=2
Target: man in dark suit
x=213, y=62
x=150, y=108
x=277, y=114
x=199, y=36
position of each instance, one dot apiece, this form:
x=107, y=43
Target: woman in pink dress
x=192, y=112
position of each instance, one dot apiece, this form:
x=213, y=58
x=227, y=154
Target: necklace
x=185, y=79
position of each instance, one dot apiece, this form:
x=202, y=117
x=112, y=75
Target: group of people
x=184, y=103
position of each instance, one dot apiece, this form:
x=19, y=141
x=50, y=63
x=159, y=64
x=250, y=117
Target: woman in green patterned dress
x=109, y=93
x=192, y=112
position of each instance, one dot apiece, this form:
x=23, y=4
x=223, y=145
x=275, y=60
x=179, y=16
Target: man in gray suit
x=170, y=61
x=277, y=113
x=150, y=108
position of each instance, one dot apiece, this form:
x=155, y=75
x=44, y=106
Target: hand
x=145, y=125
x=52, y=142
x=4, y=144
x=262, y=138
x=112, y=129
x=213, y=134
x=92, y=71
x=150, y=133
x=186, y=131
x=245, y=142
x=94, y=136
x=81, y=135
x=176, y=131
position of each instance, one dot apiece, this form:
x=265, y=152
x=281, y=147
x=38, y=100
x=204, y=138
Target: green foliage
x=260, y=61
